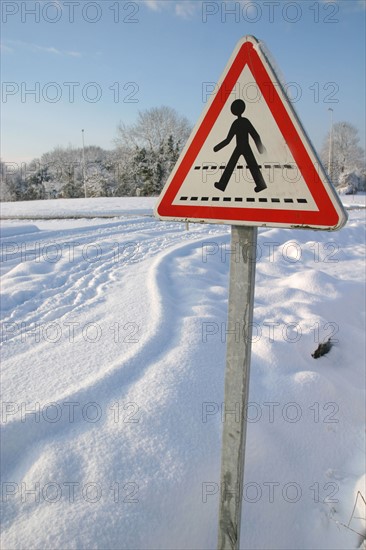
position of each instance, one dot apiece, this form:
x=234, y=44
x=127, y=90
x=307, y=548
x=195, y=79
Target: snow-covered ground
x=113, y=359
x=66, y=208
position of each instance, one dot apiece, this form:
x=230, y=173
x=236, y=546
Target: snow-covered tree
x=35, y=179
x=146, y=169
x=96, y=171
x=17, y=183
x=67, y=170
x=149, y=149
x=362, y=181
x=153, y=128
x=6, y=182
x=349, y=183
x=347, y=155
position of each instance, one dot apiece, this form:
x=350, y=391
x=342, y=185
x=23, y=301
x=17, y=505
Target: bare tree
x=347, y=155
x=153, y=128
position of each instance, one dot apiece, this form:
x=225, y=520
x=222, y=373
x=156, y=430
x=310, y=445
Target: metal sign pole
x=240, y=316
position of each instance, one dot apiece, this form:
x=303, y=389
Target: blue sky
x=93, y=64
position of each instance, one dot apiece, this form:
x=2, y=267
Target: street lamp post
x=330, y=157
x=84, y=182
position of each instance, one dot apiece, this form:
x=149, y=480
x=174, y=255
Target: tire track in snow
x=22, y=438
x=80, y=281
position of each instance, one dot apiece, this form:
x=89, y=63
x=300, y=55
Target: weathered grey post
x=240, y=314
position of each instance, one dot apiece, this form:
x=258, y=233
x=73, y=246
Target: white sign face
x=248, y=161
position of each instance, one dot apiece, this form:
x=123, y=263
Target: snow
x=113, y=332
x=105, y=206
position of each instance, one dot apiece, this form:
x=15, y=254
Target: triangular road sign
x=248, y=160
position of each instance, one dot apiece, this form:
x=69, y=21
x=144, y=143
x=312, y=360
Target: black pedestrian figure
x=242, y=128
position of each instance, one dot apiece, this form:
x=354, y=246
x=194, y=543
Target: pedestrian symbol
x=241, y=128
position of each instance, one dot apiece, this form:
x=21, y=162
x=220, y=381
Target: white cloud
x=154, y=5
x=36, y=48
x=6, y=49
x=55, y=51
x=46, y=49
x=73, y=54
x=186, y=9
